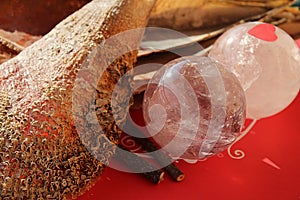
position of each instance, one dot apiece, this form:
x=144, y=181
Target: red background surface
x=276, y=138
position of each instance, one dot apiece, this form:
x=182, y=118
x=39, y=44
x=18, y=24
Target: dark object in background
x=36, y=17
x=297, y=4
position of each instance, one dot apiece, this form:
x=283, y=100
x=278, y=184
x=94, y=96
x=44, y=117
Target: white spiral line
x=239, y=154
x=130, y=143
x=218, y=116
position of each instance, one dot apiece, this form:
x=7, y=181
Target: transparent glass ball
x=194, y=108
x=266, y=60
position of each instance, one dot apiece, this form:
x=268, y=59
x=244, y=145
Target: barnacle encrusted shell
x=41, y=153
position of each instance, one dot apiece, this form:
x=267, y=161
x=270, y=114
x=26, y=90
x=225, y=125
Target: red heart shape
x=298, y=43
x=264, y=32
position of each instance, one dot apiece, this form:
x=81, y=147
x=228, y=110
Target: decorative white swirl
x=128, y=142
x=239, y=154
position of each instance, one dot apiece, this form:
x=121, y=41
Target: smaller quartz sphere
x=266, y=60
x=194, y=108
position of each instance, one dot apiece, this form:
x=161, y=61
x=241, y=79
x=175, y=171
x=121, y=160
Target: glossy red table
x=270, y=169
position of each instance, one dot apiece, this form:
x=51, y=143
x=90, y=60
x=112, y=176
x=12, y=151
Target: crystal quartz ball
x=193, y=108
x=266, y=60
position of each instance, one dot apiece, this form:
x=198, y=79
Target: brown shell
x=41, y=154
x=193, y=14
